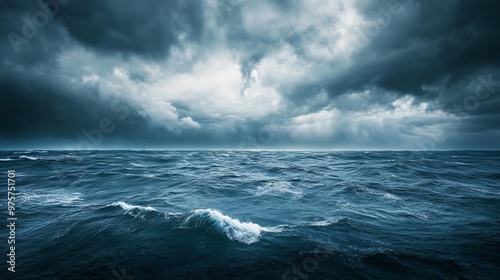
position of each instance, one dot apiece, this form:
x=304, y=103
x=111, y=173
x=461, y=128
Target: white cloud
x=212, y=88
x=202, y=87
x=90, y=79
x=112, y=77
x=317, y=125
x=401, y=123
x=215, y=88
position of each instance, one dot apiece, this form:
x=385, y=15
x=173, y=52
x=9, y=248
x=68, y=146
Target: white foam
x=274, y=229
x=129, y=207
x=28, y=157
x=24, y=152
x=5, y=159
x=247, y=233
x=52, y=198
x=391, y=196
x=327, y=222
x=175, y=214
x=279, y=188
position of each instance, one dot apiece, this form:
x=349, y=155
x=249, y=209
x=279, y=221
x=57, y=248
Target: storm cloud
x=401, y=74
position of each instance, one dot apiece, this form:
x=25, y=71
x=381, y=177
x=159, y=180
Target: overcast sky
x=250, y=74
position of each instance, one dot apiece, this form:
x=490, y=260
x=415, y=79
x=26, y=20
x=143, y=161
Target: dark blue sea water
x=254, y=215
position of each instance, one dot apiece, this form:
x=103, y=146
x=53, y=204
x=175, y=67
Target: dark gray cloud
x=250, y=74
x=429, y=42
x=109, y=27
x=148, y=30
x=38, y=112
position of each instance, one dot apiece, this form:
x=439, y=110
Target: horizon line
x=255, y=150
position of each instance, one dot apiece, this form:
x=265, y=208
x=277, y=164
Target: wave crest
x=329, y=222
x=279, y=189
x=244, y=232
x=49, y=198
x=205, y=219
x=129, y=207
x=28, y=157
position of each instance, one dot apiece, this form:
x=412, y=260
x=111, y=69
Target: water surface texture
x=255, y=214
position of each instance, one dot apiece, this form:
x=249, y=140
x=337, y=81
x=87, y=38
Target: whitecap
x=51, y=198
x=279, y=188
x=28, y=157
x=129, y=207
x=5, y=159
x=175, y=214
x=23, y=152
x=275, y=229
x=327, y=222
x=244, y=232
x=390, y=196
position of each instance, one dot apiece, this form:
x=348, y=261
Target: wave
x=363, y=190
x=36, y=159
x=28, y=157
x=391, y=196
x=279, y=189
x=234, y=229
x=414, y=214
x=247, y=233
x=244, y=232
x=51, y=198
x=328, y=222
x=129, y=207
x=136, y=211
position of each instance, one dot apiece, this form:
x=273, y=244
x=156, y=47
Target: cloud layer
x=250, y=74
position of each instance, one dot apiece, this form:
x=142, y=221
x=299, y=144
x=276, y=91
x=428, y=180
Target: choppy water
x=255, y=215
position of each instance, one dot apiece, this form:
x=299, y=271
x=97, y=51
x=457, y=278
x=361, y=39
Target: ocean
x=222, y=214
